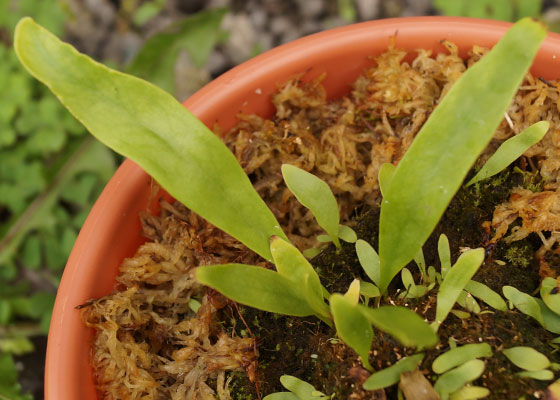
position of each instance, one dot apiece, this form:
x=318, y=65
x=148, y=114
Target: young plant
x=433, y=168
x=391, y=375
x=456, y=378
x=460, y=355
x=298, y=390
x=533, y=307
x=511, y=150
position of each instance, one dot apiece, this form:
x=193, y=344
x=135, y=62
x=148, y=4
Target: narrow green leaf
x=316, y=195
x=527, y=358
x=542, y=375
x=552, y=300
x=470, y=393
x=511, y=150
x=523, y=302
x=455, y=379
x=347, y=234
x=444, y=254
x=352, y=326
x=433, y=168
x=384, y=177
x=178, y=150
x=487, y=295
x=369, y=289
x=459, y=355
x=293, y=265
x=403, y=324
x=550, y=320
x=421, y=262
x=411, y=290
x=302, y=389
x=255, y=287
x=353, y=292
x=369, y=260
x=455, y=280
x=391, y=375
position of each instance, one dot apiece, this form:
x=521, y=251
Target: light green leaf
x=255, y=287
x=455, y=280
x=293, y=265
x=467, y=301
x=433, y=168
x=352, y=326
x=523, y=302
x=194, y=305
x=369, y=260
x=527, y=358
x=369, y=289
x=281, y=396
x=353, y=292
x=411, y=290
x=455, y=379
x=459, y=355
x=384, y=177
x=542, y=375
x=487, y=295
x=511, y=150
x=302, y=389
x=317, y=196
x=347, y=234
x=552, y=300
x=403, y=324
x=311, y=252
x=444, y=254
x=421, y=262
x=17, y=345
x=178, y=150
x=551, y=320
x=391, y=375
x=470, y=393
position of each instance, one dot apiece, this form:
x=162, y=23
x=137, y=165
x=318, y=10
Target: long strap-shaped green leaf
x=460, y=127
x=146, y=124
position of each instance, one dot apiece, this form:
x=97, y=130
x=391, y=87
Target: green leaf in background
x=369, y=260
x=541, y=375
x=384, y=177
x=470, y=393
x=459, y=355
x=281, y=396
x=444, y=254
x=433, y=168
x=487, y=295
x=147, y=125
x=302, y=389
x=10, y=389
x=455, y=379
x=403, y=324
x=391, y=375
x=317, y=196
x=454, y=282
x=552, y=300
x=197, y=35
x=550, y=320
x=352, y=326
x=527, y=358
x=523, y=302
x=255, y=287
x=347, y=234
x=511, y=150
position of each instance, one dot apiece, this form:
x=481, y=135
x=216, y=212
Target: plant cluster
x=415, y=194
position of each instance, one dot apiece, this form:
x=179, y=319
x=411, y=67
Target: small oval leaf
x=347, y=234
x=444, y=254
x=459, y=355
x=527, y=358
x=455, y=379
x=470, y=393
x=487, y=295
x=542, y=375
x=523, y=302
x=369, y=260
x=552, y=300
x=391, y=375
x=384, y=177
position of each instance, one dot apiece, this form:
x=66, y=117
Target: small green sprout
x=454, y=282
x=298, y=390
x=421, y=263
x=487, y=295
x=456, y=378
x=511, y=150
x=527, y=358
x=411, y=290
x=549, y=294
x=460, y=355
x=369, y=260
x=391, y=375
x=467, y=301
x=444, y=254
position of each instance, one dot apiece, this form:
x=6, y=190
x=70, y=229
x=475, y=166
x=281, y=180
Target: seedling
x=298, y=390
x=460, y=355
x=391, y=375
x=456, y=378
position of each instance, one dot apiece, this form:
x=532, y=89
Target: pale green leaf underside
x=142, y=122
x=459, y=355
x=352, y=326
x=403, y=324
x=448, y=144
x=511, y=150
x=391, y=375
x=455, y=280
x=316, y=195
x=384, y=177
x=455, y=379
x=541, y=375
x=255, y=287
x=527, y=358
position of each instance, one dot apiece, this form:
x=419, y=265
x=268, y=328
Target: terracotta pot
x=112, y=230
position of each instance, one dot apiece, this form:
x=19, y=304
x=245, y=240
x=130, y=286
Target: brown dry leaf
x=415, y=386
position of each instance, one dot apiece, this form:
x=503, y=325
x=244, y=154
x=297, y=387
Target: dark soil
x=308, y=349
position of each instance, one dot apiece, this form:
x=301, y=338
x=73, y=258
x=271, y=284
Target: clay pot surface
x=112, y=229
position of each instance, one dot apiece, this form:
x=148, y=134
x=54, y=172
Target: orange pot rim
x=112, y=231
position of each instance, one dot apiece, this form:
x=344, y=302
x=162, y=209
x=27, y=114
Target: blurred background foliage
x=51, y=171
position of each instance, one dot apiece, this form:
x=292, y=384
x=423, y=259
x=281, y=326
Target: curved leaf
x=316, y=195
x=455, y=280
x=369, y=260
x=281, y=396
x=470, y=393
x=142, y=122
x=391, y=375
x=459, y=355
x=542, y=375
x=403, y=324
x=523, y=302
x=302, y=389
x=255, y=287
x=549, y=294
x=527, y=358
x=384, y=177
x=456, y=378
x=352, y=326
x=487, y=295
x=511, y=150
x=433, y=168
